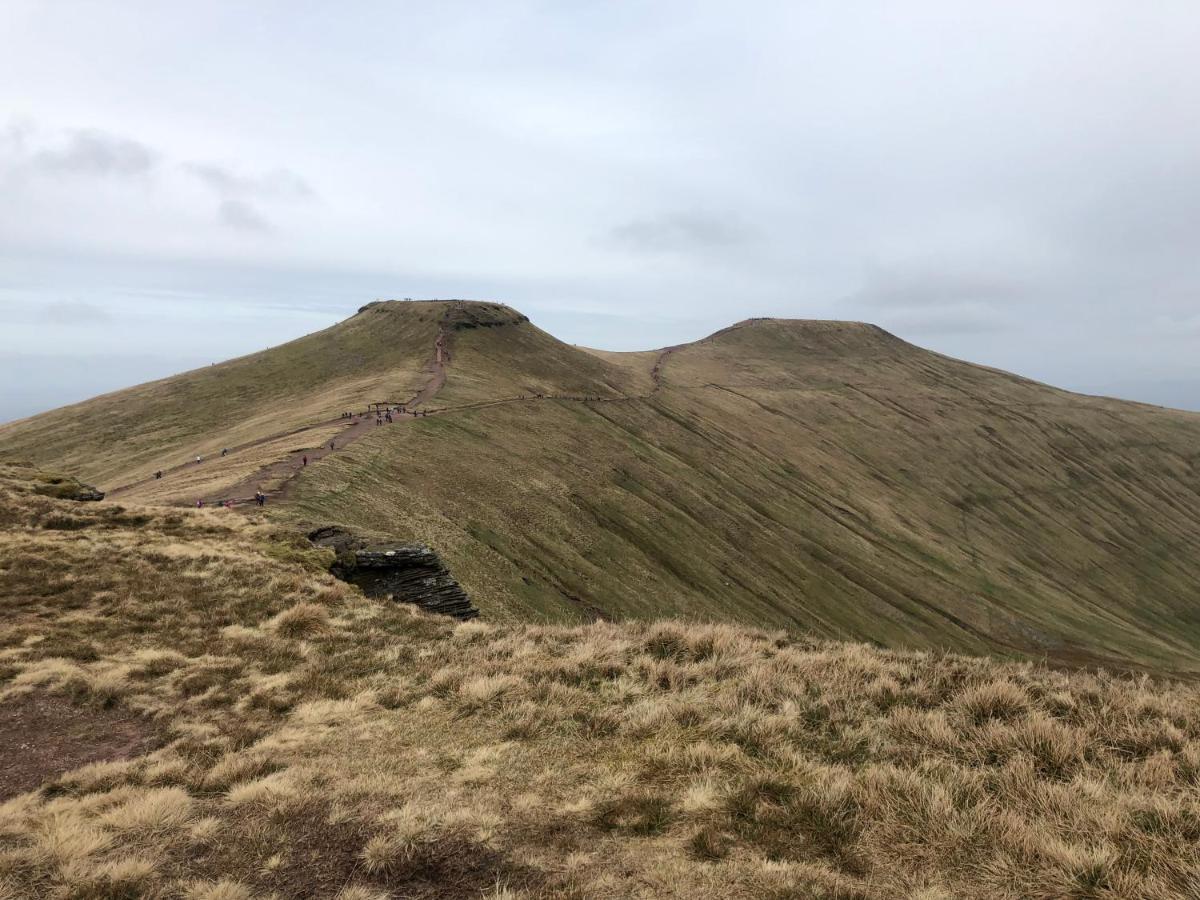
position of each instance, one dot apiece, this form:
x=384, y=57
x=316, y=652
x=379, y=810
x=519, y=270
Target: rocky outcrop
x=413, y=574
x=87, y=492
x=409, y=573
x=65, y=488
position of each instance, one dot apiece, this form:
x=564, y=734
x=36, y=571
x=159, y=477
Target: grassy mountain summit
x=825, y=476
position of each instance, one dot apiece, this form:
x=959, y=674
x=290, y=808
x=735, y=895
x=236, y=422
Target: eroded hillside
x=202, y=712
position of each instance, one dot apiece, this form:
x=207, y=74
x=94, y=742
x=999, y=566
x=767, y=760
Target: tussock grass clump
x=303, y=620
x=487, y=690
x=999, y=700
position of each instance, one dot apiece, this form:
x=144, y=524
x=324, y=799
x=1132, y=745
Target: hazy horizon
x=99, y=374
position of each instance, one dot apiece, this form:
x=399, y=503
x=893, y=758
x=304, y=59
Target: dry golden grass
x=210, y=480
x=315, y=743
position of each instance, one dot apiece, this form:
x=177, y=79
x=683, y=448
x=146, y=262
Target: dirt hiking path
x=274, y=479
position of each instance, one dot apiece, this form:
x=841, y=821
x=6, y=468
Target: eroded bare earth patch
x=43, y=736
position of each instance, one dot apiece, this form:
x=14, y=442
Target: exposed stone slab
x=410, y=573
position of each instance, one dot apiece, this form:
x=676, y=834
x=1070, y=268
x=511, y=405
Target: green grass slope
x=496, y=353
x=818, y=475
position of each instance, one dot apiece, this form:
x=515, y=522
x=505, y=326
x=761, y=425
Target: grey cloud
x=242, y=194
x=74, y=312
x=14, y=136
x=680, y=232
x=279, y=184
x=99, y=153
x=923, y=288
x=927, y=302
x=241, y=215
x=1184, y=325
x=951, y=319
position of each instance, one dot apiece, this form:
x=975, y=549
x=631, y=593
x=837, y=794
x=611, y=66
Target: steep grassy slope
x=819, y=475
x=285, y=737
x=496, y=353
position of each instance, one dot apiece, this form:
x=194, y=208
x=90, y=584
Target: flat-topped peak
x=829, y=335
x=455, y=314
x=827, y=325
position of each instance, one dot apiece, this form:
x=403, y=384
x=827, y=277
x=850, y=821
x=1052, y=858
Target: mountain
x=824, y=476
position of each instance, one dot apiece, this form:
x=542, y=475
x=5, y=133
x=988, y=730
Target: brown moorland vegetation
x=302, y=740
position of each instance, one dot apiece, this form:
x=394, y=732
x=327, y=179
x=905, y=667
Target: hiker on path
x=199, y=504
x=158, y=475
x=224, y=451
x=331, y=447
x=260, y=498
x=198, y=459
x=304, y=460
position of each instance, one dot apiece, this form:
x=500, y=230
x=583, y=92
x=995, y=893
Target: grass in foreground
x=310, y=742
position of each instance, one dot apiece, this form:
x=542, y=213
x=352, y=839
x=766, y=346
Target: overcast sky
x=1014, y=183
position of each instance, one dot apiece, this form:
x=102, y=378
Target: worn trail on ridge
x=284, y=471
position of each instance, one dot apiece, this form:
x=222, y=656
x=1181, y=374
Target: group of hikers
x=382, y=415
x=260, y=499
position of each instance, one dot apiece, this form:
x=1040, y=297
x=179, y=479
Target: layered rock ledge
x=408, y=573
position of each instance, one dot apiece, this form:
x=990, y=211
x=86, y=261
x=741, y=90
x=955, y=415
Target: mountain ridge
x=815, y=474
